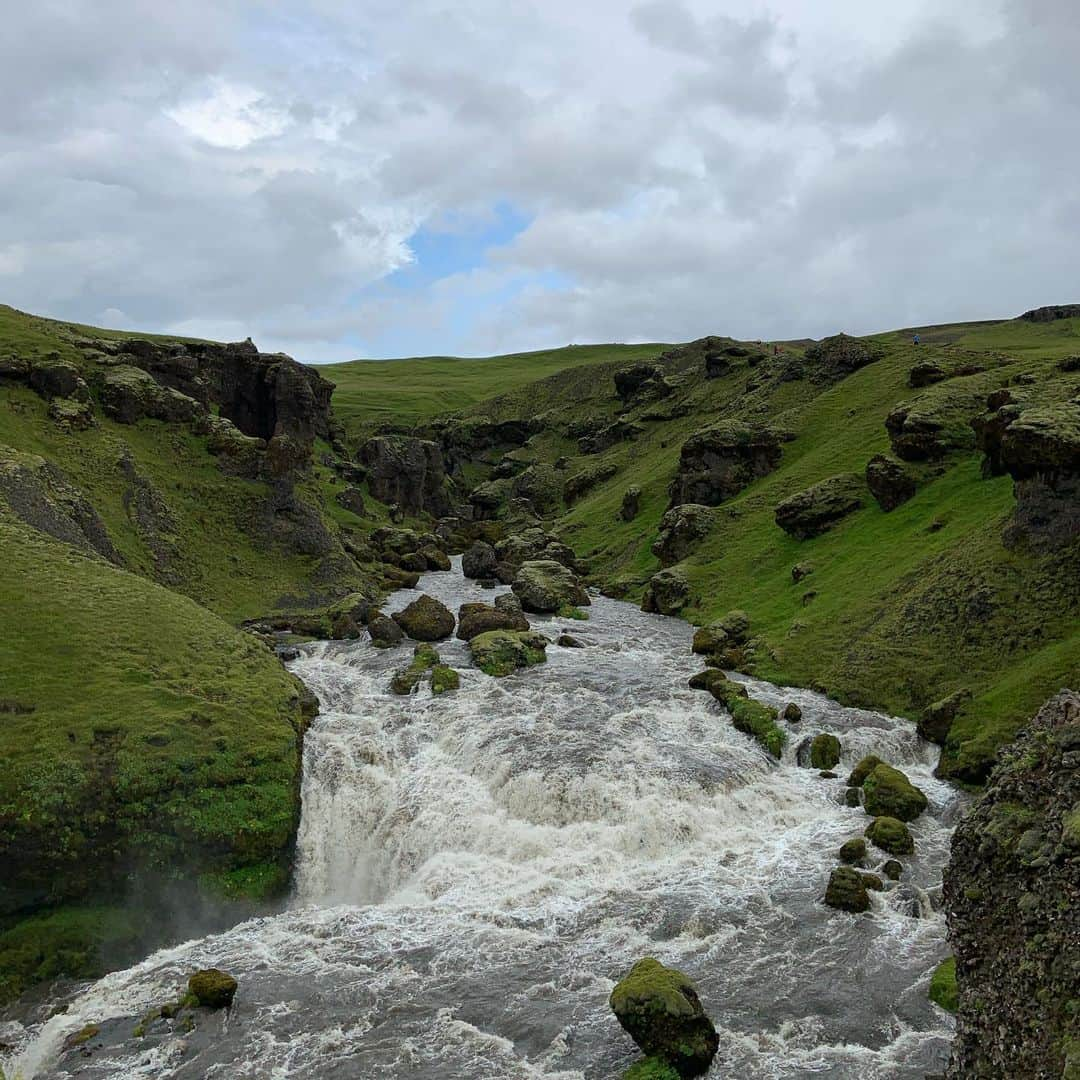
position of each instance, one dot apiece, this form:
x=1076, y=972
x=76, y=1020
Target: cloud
x=676, y=168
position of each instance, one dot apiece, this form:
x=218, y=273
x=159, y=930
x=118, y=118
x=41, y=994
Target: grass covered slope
x=144, y=741
x=899, y=609
x=408, y=392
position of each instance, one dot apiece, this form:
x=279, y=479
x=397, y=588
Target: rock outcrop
x=1012, y=898
x=1051, y=313
x=660, y=1010
x=717, y=463
x=817, y=509
x=406, y=471
x=543, y=585
x=502, y=652
x=889, y=482
x=682, y=528
x=667, y=593
x=583, y=482
x=641, y=382
x=838, y=356
x=425, y=619
x=631, y=503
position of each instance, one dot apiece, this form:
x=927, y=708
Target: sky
x=411, y=177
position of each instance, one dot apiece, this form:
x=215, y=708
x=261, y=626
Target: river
x=476, y=870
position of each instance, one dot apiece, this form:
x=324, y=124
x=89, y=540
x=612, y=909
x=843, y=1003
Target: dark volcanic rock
x=847, y=890
x=474, y=619
x=384, y=631
x=584, y=481
x=596, y=442
x=53, y=378
x=406, y=471
x=479, y=561
x=659, y=1009
x=681, y=529
x=720, y=461
x=541, y=485
x=937, y=719
x=838, y=356
x=641, y=382
x=667, y=593
x=351, y=499
x=813, y=511
x=1051, y=313
x=631, y=503
x=1012, y=898
x=926, y=374
x=39, y=494
x=128, y=394
x=889, y=482
x=543, y=585
x=425, y=619
x=927, y=431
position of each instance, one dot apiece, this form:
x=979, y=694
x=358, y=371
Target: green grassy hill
x=409, y=392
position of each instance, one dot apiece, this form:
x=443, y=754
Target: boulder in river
x=863, y=769
x=212, y=988
x=704, y=680
x=479, y=561
x=425, y=619
x=384, y=631
x=502, y=652
x=407, y=679
x=846, y=890
x=792, y=713
x=476, y=619
x=890, y=793
x=892, y=869
x=568, y=641
x=444, y=679
x=824, y=751
x=853, y=852
x=891, y=835
x=660, y=1010
x=544, y=585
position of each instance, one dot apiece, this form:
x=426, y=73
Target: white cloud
x=230, y=116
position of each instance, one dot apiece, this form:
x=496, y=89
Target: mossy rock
x=892, y=869
x=407, y=679
x=817, y=509
x=889, y=793
x=846, y=891
x=213, y=988
x=943, y=989
x=544, y=585
x=853, y=797
x=502, y=652
x=824, y=751
x=705, y=680
x=890, y=835
x=425, y=619
x=651, y=1068
x=82, y=1036
x=751, y=717
x=872, y=881
x=709, y=639
x=792, y=713
x=864, y=768
x=660, y=1010
x=444, y=679
x=853, y=852
x=385, y=633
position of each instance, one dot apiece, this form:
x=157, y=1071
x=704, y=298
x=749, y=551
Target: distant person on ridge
x=915, y=340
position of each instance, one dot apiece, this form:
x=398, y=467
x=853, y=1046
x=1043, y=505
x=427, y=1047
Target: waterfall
x=475, y=870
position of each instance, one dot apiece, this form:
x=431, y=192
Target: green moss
x=943, y=990
x=751, y=717
x=889, y=793
x=824, y=751
x=863, y=769
x=501, y=652
x=890, y=835
x=213, y=988
x=568, y=611
x=652, y=1068
x=443, y=679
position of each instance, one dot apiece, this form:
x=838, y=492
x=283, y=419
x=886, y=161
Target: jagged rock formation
x=1051, y=313
x=717, y=463
x=641, y=382
x=681, y=529
x=407, y=471
x=1012, y=896
x=838, y=356
x=889, y=482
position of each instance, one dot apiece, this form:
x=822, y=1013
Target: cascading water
x=475, y=870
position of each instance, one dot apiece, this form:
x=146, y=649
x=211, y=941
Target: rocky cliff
x=1012, y=893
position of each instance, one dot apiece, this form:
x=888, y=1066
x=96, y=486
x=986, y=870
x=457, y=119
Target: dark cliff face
x=1012, y=893
x=263, y=394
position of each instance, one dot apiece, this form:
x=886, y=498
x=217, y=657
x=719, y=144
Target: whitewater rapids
x=475, y=871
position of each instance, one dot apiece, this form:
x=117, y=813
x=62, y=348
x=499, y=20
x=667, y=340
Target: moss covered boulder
x=212, y=988
x=474, y=619
x=705, y=680
x=815, y=510
x=891, y=835
x=425, y=619
x=651, y=1068
x=824, y=751
x=890, y=793
x=863, y=769
x=444, y=679
x=502, y=652
x=544, y=585
x=408, y=679
x=384, y=631
x=853, y=852
x=750, y=717
x=659, y=1009
x=937, y=719
x=682, y=528
x=667, y=593
x=846, y=890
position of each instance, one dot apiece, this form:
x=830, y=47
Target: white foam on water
x=474, y=871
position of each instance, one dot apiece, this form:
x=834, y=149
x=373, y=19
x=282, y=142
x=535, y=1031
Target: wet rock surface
x=1012, y=894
